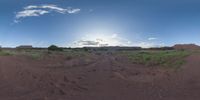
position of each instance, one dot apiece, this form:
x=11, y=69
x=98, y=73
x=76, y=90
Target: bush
x=54, y=48
x=173, y=59
x=85, y=49
x=3, y=53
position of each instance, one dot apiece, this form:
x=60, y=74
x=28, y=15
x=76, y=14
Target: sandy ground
x=105, y=77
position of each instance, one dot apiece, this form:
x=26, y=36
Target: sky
x=78, y=23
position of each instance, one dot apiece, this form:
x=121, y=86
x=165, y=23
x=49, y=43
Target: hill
x=186, y=47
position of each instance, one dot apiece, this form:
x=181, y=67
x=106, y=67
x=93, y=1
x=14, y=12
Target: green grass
x=68, y=54
x=36, y=55
x=4, y=53
x=167, y=59
x=39, y=54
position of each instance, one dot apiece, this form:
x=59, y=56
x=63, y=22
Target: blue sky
x=75, y=23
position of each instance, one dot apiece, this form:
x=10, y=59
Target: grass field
x=38, y=54
x=4, y=53
x=167, y=59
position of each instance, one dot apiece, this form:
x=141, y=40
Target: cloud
x=38, y=10
x=88, y=43
x=114, y=36
x=145, y=44
x=96, y=40
x=29, y=13
x=101, y=40
x=152, y=38
x=54, y=8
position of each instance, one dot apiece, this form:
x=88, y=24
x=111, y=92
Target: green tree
x=54, y=48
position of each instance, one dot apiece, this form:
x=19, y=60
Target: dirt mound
x=186, y=47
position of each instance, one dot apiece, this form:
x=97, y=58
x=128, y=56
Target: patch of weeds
x=73, y=54
x=33, y=54
x=168, y=59
x=36, y=56
x=5, y=53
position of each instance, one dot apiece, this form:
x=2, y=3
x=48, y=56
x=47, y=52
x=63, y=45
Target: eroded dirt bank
x=106, y=77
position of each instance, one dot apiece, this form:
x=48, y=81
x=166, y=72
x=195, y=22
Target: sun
x=102, y=33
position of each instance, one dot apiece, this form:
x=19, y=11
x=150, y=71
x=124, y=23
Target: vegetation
x=167, y=59
x=36, y=55
x=4, y=53
x=54, y=48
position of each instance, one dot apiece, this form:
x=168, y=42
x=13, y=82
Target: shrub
x=54, y=48
x=173, y=59
x=3, y=53
x=85, y=49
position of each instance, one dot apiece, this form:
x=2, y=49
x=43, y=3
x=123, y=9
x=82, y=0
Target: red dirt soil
x=106, y=78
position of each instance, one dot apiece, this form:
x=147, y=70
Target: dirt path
x=108, y=78
x=188, y=80
x=184, y=84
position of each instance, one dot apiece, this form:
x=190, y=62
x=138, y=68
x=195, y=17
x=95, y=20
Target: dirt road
x=106, y=78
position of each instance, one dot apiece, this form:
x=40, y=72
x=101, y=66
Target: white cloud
x=101, y=40
x=152, y=38
x=145, y=44
x=88, y=43
x=114, y=36
x=38, y=10
x=73, y=11
x=97, y=40
x=28, y=13
x=54, y=7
